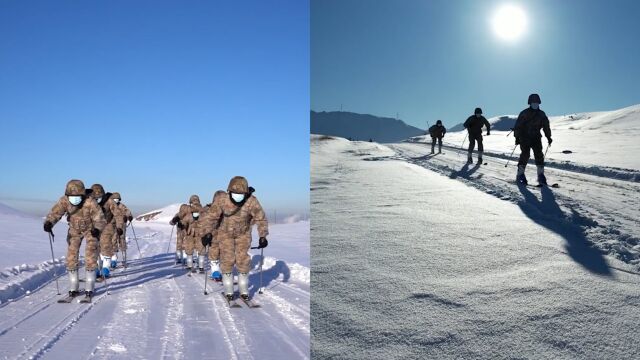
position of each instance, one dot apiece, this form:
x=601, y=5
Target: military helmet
x=439, y=122
x=534, y=98
x=218, y=195
x=116, y=195
x=238, y=185
x=194, y=199
x=478, y=111
x=97, y=190
x=74, y=188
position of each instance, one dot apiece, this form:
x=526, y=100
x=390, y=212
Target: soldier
x=182, y=212
x=86, y=220
x=109, y=210
x=236, y=213
x=474, y=124
x=213, y=243
x=194, y=231
x=120, y=242
x=437, y=132
x=527, y=133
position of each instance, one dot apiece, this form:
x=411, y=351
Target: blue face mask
x=75, y=200
x=535, y=106
x=237, y=197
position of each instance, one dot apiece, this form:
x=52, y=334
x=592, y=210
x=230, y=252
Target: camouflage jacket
x=529, y=124
x=194, y=227
x=112, y=213
x=82, y=218
x=236, y=220
x=123, y=210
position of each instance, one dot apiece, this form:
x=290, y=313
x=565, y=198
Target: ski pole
x=261, y=262
x=545, y=152
x=510, y=132
x=514, y=150
x=206, y=278
x=53, y=258
x=170, y=236
x=124, y=252
x=135, y=237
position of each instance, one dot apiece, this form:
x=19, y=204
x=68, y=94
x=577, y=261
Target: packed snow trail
x=155, y=311
x=409, y=263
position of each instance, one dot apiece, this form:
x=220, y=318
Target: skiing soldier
x=236, y=212
x=118, y=239
x=194, y=231
x=185, y=209
x=213, y=243
x=86, y=221
x=527, y=133
x=474, y=124
x=126, y=215
x=106, y=235
x=437, y=132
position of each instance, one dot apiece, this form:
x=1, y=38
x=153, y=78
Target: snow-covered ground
x=418, y=256
x=606, y=139
x=154, y=310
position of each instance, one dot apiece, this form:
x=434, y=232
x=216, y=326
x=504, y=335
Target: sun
x=509, y=22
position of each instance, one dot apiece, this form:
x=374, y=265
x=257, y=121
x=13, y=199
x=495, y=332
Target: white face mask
x=75, y=200
x=117, y=201
x=237, y=197
x=535, y=106
x=196, y=214
x=98, y=200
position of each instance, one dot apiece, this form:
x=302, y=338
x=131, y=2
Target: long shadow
x=148, y=269
x=547, y=212
x=424, y=157
x=464, y=172
x=268, y=275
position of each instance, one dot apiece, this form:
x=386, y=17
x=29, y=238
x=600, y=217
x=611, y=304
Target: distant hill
x=361, y=126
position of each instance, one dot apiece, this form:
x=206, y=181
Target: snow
x=420, y=256
x=153, y=309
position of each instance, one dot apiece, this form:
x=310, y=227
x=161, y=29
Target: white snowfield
x=418, y=256
x=153, y=309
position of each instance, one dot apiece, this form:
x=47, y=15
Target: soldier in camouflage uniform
x=474, y=124
x=236, y=213
x=185, y=209
x=527, y=133
x=194, y=231
x=113, y=227
x=120, y=242
x=86, y=221
x=213, y=243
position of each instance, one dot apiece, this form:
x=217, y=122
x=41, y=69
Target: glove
x=206, y=240
x=119, y=231
x=262, y=242
x=124, y=218
x=175, y=220
x=549, y=140
x=95, y=233
x=130, y=218
x=48, y=226
x=180, y=226
x=517, y=141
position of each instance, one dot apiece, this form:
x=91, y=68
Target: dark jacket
x=529, y=124
x=474, y=125
x=437, y=131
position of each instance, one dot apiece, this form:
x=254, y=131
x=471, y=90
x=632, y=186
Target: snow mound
x=162, y=215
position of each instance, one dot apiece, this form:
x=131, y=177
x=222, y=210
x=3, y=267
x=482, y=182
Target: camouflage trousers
x=193, y=243
x=214, y=250
x=234, y=250
x=74, y=240
x=180, y=235
x=119, y=242
x=106, y=247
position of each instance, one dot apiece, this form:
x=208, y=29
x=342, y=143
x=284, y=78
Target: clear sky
x=439, y=59
x=155, y=99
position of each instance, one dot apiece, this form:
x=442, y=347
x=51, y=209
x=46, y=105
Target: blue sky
x=154, y=99
x=439, y=59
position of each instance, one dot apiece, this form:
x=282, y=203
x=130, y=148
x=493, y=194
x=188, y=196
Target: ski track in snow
x=155, y=311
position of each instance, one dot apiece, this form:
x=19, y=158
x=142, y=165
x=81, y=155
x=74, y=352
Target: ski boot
x=243, y=285
x=522, y=180
x=178, y=257
x=542, y=180
x=114, y=261
x=227, y=282
x=480, y=158
x=216, y=275
x=105, y=272
x=469, y=159
x=87, y=297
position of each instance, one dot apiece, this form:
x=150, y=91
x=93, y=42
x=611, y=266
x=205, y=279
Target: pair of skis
x=69, y=298
x=235, y=302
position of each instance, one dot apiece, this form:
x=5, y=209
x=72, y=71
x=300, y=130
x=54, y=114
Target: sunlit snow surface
x=421, y=257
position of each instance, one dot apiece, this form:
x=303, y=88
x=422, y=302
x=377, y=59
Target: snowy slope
x=155, y=311
x=418, y=256
x=606, y=139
